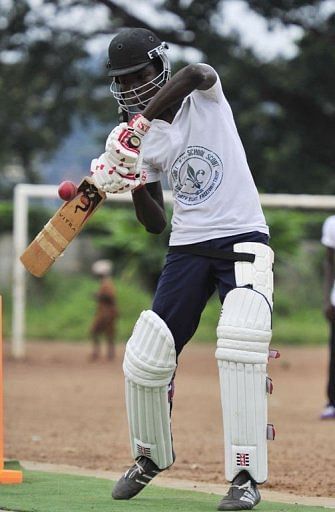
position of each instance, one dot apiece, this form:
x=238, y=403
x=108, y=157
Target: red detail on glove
x=124, y=137
x=135, y=127
x=141, y=126
x=131, y=177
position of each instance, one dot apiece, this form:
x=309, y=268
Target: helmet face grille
x=134, y=100
x=130, y=51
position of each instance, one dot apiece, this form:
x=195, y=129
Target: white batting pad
x=149, y=365
x=244, y=334
x=259, y=273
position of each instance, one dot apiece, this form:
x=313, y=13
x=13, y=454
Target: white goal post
x=24, y=192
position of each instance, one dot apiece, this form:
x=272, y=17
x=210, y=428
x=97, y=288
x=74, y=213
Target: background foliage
x=66, y=302
x=52, y=78
x=285, y=107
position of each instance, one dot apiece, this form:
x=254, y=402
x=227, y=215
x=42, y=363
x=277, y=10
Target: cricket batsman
x=183, y=127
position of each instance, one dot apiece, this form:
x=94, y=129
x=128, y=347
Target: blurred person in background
x=328, y=240
x=104, y=322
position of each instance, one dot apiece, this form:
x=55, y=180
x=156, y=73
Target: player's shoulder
x=199, y=68
x=214, y=90
x=209, y=72
x=207, y=69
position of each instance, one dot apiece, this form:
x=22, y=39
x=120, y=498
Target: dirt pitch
x=61, y=408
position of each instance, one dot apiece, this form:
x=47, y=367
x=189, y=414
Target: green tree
x=289, y=116
x=44, y=83
x=284, y=108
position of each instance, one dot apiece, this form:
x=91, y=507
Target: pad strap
x=211, y=252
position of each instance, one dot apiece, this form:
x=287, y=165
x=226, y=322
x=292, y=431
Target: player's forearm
x=148, y=211
x=185, y=81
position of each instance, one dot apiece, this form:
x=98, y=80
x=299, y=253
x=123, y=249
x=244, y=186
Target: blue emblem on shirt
x=196, y=174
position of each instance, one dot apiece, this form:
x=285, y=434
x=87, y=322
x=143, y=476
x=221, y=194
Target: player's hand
x=106, y=178
x=123, y=143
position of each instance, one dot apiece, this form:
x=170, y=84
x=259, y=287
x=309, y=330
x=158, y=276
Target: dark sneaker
x=135, y=479
x=242, y=495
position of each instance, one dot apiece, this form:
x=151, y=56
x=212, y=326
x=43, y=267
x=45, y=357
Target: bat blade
x=62, y=228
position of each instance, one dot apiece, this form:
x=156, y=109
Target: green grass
x=48, y=492
x=305, y=327
x=62, y=307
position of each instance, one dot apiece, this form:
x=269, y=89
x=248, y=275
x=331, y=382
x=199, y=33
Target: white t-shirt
x=207, y=170
x=328, y=239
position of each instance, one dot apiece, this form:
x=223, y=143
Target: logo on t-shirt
x=196, y=174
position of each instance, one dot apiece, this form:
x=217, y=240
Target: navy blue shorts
x=188, y=281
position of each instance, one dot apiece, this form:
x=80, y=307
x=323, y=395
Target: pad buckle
x=270, y=432
x=274, y=354
x=269, y=385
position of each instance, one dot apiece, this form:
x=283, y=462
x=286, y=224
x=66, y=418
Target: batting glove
x=123, y=143
x=107, y=179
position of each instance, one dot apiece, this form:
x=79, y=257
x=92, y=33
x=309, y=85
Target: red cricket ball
x=67, y=190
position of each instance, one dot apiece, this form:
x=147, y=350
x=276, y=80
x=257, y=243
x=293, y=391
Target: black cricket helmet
x=131, y=50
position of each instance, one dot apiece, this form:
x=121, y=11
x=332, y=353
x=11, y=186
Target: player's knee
x=150, y=357
x=244, y=329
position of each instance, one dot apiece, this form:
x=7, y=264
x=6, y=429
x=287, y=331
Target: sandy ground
x=61, y=408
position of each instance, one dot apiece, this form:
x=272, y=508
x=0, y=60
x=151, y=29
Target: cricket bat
x=62, y=228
